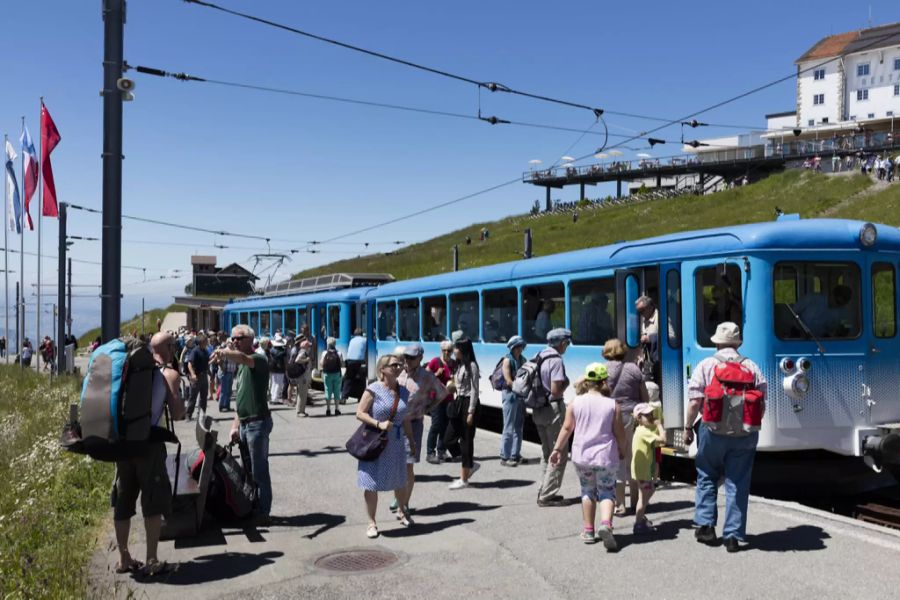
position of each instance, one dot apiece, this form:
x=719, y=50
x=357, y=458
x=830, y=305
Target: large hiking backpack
x=116, y=398
x=527, y=384
x=276, y=359
x=232, y=491
x=732, y=404
x=331, y=362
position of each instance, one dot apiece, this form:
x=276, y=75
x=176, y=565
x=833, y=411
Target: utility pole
x=113, y=68
x=527, y=253
x=61, y=294
x=19, y=332
x=456, y=257
x=69, y=298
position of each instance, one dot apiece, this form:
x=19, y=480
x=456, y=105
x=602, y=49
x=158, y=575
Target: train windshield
x=825, y=296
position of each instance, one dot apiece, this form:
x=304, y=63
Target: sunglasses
x=394, y=366
x=236, y=338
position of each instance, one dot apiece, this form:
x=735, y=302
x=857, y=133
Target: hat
x=727, y=334
x=414, y=349
x=278, y=340
x=516, y=341
x=596, y=372
x=457, y=335
x=642, y=409
x=560, y=334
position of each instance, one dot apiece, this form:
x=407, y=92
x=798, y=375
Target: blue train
x=816, y=300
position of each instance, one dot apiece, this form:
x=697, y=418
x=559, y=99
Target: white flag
x=13, y=205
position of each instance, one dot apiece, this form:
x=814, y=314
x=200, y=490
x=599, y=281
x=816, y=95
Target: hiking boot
x=609, y=540
x=706, y=534
x=732, y=545
x=328, y=413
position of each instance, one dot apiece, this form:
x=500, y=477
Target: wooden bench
x=189, y=500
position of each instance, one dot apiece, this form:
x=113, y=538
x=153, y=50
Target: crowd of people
x=614, y=422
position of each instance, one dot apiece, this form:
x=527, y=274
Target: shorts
x=597, y=483
x=418, y=427
x=145, y=475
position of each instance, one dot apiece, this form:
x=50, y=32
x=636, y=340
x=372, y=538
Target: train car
x=816, y=300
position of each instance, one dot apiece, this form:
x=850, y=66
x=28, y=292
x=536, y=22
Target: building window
x=819, y=74
x=824, y=120
x=889, y=113
x=819, y=99
x=897, y=64
x=811, y=123
x=871, y=116
x=862, y=95
x=897, y=89
x=862, y=70
x=852, y=117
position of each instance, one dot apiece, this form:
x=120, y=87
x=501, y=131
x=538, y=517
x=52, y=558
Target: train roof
x=834, y=234
x=257, y=302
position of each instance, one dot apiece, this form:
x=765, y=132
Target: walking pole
x=6, y=193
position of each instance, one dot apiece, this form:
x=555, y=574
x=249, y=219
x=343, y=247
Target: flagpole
x=6, y=193
x=40, y=190
x=20, y=325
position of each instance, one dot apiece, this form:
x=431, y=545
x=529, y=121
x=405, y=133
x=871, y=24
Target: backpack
x=527, y=384
x=233, y=493
x=276, y=359
x=331, y=362
x=498, y=381
x=295, y=370
x=116, y=400
x=732, y=404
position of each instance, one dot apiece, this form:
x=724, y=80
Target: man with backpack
x=549, y=416
x=146, y=475
x=252, y=421
x=730, y=390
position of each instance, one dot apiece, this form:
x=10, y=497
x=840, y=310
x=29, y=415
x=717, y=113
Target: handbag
x=367, y=442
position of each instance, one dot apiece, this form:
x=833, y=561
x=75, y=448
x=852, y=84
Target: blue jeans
x=731, y=457
x=256, y=436
x=513, y=425
x=436, y=431
x=225, y=381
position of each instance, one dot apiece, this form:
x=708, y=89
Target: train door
x=631, y=284
x=883, y=343
x=321, y=329
x=672, y=382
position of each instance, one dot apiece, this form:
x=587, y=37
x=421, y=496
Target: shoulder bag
x=368, y=442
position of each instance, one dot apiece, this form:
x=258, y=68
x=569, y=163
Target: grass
x=134, y=324
x=51, y=503
x=803, y=192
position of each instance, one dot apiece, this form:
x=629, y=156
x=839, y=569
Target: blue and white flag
x=13, y=205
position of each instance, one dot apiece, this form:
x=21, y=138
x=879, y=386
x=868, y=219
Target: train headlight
x=804, y=365
x=796, y=386
x=867, y=235
x=787, y=365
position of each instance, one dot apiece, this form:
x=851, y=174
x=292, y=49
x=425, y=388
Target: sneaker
x=732, y=545
x=303, y=414
x=552, y=502
x=609, y=540
x=432, y=459
x=328, y=413
x=394, y=505
x=513, y=462
x=504, y=462
x=706, y=534
x=588, y=537
x=458, y=485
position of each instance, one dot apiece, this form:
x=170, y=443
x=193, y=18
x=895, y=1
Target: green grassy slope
x=133, y=324
x=807, y=193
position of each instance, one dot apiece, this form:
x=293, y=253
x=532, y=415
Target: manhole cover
x=357, y=561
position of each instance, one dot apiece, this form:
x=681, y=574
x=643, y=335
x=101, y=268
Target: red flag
x=49, y=139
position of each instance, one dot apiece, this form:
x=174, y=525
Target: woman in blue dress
x=388, y=471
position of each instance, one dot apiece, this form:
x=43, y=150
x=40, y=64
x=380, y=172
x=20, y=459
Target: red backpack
x=732, y=403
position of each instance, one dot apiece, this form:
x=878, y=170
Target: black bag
x=367, y=442
x=232, y=494
x=331, y=362
x=457, y=406
x=295, y=370
x=276, y=359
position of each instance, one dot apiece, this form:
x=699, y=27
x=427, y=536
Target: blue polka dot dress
x=388, y=471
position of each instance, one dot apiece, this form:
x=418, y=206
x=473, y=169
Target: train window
x=632, y=317
x=824, y=296
x=320, y=310
x=500, y=311
x=303, y=318
x=244, y=318
x=254, y=323
x=290, y=320
x=592, y=304
x=264, y=322
x=719, y=299
x=884, y=296
x=543, y=309
x=434, y=319
x=386, y=321
x=673, y=308
x=334, y=321
x=364, y=318
x=464, y=314
x=277, y=317
x=409, y=319
x=353, y=323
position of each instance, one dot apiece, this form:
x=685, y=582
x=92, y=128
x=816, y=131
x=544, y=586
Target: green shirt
x=643, y=448
x=253, y=384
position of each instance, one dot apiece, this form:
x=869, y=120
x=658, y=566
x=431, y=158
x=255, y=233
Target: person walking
x=330, y=364
x=384, y=406
x=648, y=435
x=628, y=389
x=198, y=366
x=549, y=419
x=513, y=406
x=354, y=366
x=225, y=374
x=252, y=420
x=277, y=362
x=723, y=451
x=443, y=367
x=594, y=417
x=304, y=357
x=460, y=436
x=145, y=475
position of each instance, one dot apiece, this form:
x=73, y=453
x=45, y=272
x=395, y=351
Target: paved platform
x=492, y=540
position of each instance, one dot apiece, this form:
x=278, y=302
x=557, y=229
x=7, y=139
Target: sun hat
x=642, y=409
x=516, y=341
x=457, y=335
x=596, y=372
x=278, y=340
x=414, y=349
x=560, y=334
x=727, y=334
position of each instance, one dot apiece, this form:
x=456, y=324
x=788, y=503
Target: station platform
x=490, y=540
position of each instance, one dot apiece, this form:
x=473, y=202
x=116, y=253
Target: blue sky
x=300, y=169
